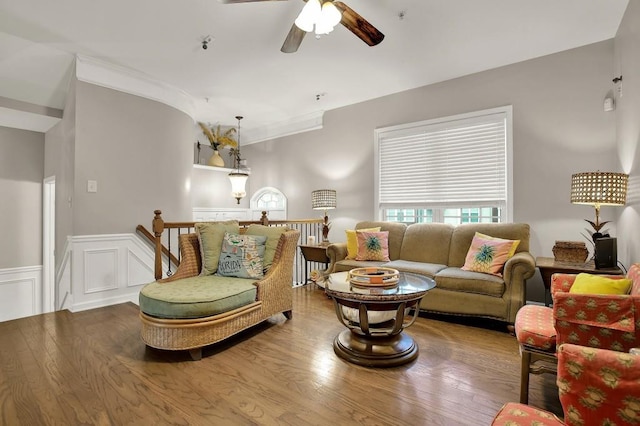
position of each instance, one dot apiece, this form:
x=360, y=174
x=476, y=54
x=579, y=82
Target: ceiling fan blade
x=358, y=25
x=293, y=40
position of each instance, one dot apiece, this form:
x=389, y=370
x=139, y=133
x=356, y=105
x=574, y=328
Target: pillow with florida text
x=373, y=245
x=352, y=240
x=489, y=254
x=242, y=256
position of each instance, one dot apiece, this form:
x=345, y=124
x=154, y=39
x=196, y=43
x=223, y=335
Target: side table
x=313, y=253
x=549, y=266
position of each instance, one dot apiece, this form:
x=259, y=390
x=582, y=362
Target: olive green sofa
x=438, y=251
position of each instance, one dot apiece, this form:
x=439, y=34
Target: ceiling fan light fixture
x=309, y=15
x=330, y=15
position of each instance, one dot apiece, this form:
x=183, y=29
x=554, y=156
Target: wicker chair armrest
x=275, y=290
x=335, y=253
x=190, y=261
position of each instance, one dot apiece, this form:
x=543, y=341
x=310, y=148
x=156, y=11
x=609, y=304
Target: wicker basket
x=570, y=251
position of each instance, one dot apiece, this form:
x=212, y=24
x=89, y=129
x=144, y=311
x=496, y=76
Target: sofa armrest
x=335, y=253
x=516, y=271
x=520, y=266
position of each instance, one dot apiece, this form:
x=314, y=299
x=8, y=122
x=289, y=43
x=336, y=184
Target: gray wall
x=21, y=175
x=559, y=128
x=140, y=153
x=627, y=64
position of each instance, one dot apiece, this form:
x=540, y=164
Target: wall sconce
x=599, y=189
x=238, y=177
x=324, y=199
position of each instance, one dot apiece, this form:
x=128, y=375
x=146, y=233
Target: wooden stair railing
x=149, y=236
x=305, y=226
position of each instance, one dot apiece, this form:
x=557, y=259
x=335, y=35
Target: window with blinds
x=455, y=169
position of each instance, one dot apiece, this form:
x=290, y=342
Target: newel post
x=157, y=225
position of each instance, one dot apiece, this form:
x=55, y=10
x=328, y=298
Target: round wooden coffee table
x=375, y=318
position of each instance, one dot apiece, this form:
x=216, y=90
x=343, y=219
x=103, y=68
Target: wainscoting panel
x=100, y=270
x=107, y=269
x=138, y=269
x=20, y=292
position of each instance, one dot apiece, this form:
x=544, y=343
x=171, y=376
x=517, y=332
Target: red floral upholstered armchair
x=595, y=320
x=607, y=321
x=596, y=386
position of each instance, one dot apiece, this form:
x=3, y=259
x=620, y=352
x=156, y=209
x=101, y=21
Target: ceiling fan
x=323, y=15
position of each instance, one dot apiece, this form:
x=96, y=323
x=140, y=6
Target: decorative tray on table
x=374, y=277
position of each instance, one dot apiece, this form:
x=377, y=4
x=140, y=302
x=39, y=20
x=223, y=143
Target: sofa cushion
x=455, y=279
x=373, y=245
x=396, y=235
x=427, y=242
x=196, y=297
x=427, y=269
x=210, y=236
x=273, y=234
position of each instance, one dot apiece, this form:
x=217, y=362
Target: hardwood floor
x=92, y=368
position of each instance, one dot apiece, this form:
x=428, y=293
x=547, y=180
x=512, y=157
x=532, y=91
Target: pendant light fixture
x=238, y=177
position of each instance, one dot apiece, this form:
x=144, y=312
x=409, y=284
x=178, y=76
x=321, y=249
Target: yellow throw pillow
x=352, y=241
x=488, y=254
x=598, y=284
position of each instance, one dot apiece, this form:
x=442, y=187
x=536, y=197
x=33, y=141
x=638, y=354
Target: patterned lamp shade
x=599, y=188
x=323, y=199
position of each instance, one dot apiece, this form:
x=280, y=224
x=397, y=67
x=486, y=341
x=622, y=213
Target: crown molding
x=100, y=73
x=295, y=125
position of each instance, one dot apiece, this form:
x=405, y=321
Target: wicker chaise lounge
x=206, y=322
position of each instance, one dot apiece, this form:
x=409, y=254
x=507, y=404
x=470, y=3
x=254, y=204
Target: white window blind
x=450, y=162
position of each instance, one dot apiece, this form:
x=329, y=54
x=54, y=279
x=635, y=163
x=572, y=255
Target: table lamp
x=599, y=189
x=324, y=199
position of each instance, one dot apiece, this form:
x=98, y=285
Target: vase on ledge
x=216, y=160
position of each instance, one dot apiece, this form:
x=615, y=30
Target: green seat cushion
x=196, y=297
